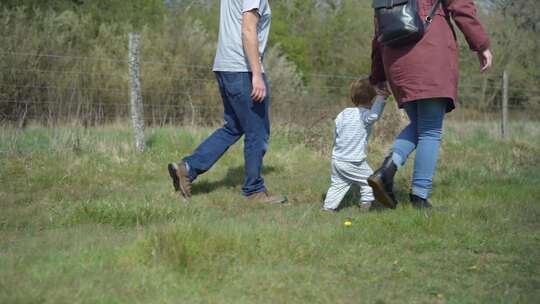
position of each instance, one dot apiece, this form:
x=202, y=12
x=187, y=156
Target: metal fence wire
x=55, y=88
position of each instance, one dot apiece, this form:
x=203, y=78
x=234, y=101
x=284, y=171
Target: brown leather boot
x=180, y=178
x=382, y=182
x=267, y=198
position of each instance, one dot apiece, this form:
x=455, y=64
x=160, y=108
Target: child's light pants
x=344, y=174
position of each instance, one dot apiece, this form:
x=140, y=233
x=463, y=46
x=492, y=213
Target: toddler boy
x=353, y=127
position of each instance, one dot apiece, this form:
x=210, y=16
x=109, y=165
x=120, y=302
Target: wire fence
x=95, y=90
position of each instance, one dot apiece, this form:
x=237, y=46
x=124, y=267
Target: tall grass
x=85, y=218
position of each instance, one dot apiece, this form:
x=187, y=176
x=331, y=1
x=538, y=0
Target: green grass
x=84, y=219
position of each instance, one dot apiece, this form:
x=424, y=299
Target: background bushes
x=67, y=60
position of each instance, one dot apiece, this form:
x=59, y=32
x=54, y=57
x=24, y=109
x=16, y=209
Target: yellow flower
x=474, y=268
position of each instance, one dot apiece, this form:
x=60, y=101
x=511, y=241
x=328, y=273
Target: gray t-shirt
x=230, y=55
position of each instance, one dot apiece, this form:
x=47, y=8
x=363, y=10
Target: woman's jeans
x=243, y=116
x=423, y=134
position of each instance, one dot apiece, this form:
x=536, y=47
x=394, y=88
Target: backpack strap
x=434, y=9
x=429, y=18
x=448, y=19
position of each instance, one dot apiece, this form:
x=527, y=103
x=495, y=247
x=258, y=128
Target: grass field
x=84, y=219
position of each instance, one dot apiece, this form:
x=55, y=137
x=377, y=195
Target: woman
x=423, y=78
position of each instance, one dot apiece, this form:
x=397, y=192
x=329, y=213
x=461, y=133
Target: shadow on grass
x=151, y=141
x=233, y=178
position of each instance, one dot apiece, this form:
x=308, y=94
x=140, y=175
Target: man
x=243, y=34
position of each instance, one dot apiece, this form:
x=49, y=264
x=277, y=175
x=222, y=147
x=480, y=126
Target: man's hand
x=250, y=41
x=259, y=88
x=486, y=59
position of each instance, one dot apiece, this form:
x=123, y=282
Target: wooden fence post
x=137, y=115
x=504, y=123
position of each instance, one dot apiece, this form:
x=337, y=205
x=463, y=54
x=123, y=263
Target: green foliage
x=135, y=12
x=54, y=5
x=325, y=44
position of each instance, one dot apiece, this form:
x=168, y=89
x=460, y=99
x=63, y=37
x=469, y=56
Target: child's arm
x=337, y=129
x=339, y=124
x=376, y=110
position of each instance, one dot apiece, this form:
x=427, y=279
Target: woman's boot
x=382, y=182
x=418, y=202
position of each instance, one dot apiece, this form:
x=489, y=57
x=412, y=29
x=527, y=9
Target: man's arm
x=250, y=41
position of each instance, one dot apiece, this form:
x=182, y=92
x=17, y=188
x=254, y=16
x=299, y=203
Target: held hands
x=259, y=88
x=485, y=59
x=382, y=89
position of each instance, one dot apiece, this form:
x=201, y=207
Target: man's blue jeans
x=423, y=134
x=243, y=116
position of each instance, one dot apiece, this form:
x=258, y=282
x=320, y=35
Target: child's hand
x=382, y=89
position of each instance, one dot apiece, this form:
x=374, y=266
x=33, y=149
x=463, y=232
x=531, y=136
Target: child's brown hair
x=362, y=93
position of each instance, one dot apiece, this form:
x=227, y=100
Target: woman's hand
x=382, y=89
x=486, y=59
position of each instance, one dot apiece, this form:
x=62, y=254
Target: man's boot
x=382, y=182
x=180, y=178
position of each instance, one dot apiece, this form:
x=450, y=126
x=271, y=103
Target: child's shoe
x=364, y=207
x=328, y=209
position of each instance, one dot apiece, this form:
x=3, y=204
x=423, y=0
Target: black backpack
x=398, y=22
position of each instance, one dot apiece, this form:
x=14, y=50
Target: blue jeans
x=243, y=116
x=423, y=134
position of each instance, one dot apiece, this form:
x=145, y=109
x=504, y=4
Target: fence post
x=504, y=123
x=137, y=115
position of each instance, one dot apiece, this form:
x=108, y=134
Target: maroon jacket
x=429, y=68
